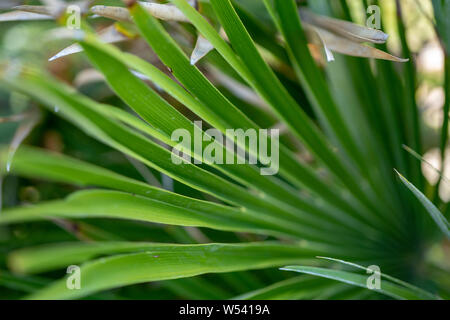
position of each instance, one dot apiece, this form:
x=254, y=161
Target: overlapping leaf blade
x=150, y=262
x=388, y=288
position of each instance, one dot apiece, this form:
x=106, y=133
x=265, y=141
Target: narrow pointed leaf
x=419, y=291
x=110, y=34
x=387, y=288
x=434, y=213
x=346, y=29
x=351, y=48
x=202, y=48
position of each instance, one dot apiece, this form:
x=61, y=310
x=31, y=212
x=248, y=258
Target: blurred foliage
x=381, y=88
